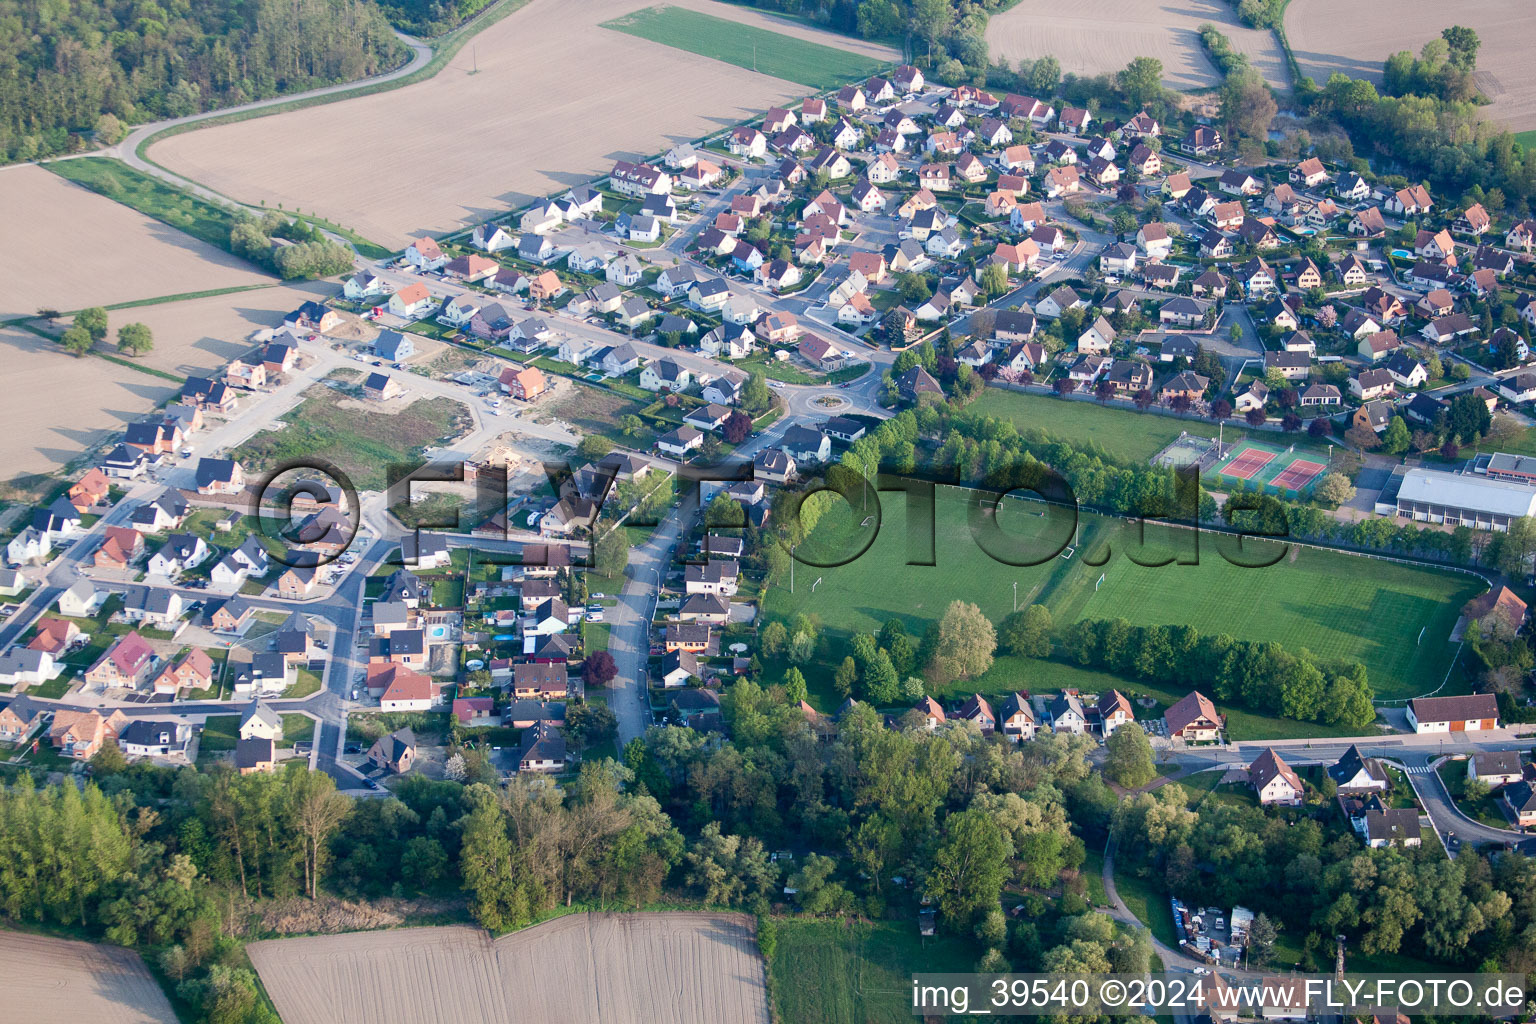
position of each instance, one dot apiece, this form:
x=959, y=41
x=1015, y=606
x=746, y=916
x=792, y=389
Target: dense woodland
x=73, y=70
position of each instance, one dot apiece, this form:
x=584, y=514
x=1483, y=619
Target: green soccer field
x=1338, y=606
x=879, y=584
x=757, y=49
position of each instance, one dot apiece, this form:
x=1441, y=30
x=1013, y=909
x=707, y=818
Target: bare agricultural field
x=195, y=336
x=1105, y=35
x=582, y=969
x=49, y=980
x=555, y=100
x=1356, y=36
x=82, y=249
x=58, y=406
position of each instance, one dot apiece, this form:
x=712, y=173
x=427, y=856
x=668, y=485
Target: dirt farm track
x=582, y=969
x=50, y=980
x=555, y=100
x=1356, y=36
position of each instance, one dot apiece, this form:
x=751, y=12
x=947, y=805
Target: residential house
x=1495, y=768
x=1406, y=370
x=192, y=671
x=680, y=443
x=395, y=753
x=1154, y=240
x=412, y=302
x=153, y=606
x=123, y=665
x=1367, y=223
x=1355, y=773
x=1275, y=782
x=807, y=444
x=1187, y=386
x=82, y=600
x=1194, y=719
x=1368, y=385
x=1409, y=202
x=1067, y=714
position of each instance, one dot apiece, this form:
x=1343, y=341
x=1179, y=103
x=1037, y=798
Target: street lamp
x=1015, y=595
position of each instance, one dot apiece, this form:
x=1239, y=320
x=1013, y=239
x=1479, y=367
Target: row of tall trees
x=71, y=69
x=1261, y=675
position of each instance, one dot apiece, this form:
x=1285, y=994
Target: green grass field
x=1526, y=139
x=1338, y=606
x=854, y=972
x=1117, y=429
x=758, y=49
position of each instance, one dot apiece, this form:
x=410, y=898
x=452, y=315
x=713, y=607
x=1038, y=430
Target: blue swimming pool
x=438, y=632
x=504, y=636
x=1402, y=254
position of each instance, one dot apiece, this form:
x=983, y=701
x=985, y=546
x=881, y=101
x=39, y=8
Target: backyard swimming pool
x=504, y=636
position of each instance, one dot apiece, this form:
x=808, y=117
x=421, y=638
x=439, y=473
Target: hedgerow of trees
x=291, y=248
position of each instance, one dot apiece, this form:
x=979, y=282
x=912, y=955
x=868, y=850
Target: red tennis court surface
x=1248, y=462
x=1297, y=475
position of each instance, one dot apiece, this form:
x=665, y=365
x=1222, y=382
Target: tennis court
x=1246, y=463
x=1297, y=475
x=1280, y=470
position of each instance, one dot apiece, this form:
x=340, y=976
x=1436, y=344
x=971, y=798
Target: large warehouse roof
x=1467, y=491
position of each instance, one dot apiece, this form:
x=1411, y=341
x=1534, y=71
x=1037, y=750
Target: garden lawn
x=1118, y=429
x=857, y=972
x=361, y=441
x=758, y=49
x=297, y=729
x=220, y=733
x=1093, y=876
x=53, y=689
x=307, y=682
x=595, y=636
